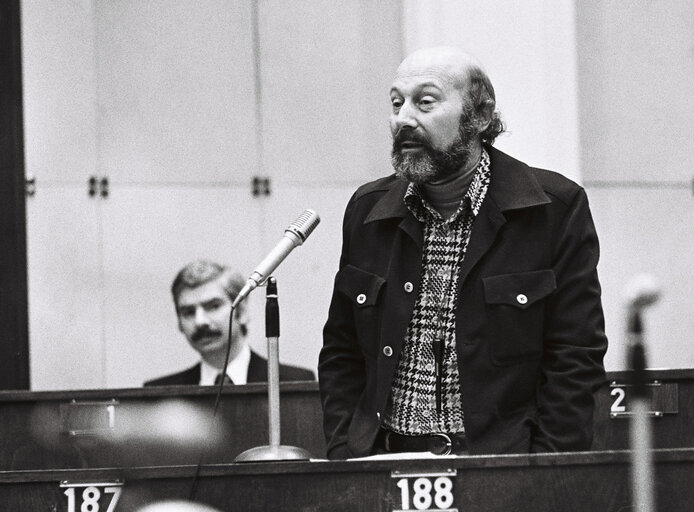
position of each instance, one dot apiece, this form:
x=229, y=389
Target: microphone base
x=272, y=453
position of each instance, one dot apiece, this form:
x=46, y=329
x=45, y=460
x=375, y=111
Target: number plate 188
x=91, y=497
x=425, y=491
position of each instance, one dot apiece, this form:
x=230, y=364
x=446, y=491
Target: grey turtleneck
x=445, y=195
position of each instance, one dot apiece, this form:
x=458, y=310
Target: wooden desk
x=575, y=482
x=150, y=426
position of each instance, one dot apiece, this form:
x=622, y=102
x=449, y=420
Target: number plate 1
x=91, y=497
x=425, y=491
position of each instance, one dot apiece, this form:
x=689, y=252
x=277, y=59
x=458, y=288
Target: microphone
x=295, y=234
x=641, y=291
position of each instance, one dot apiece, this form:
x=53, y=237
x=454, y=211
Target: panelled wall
x=179, y=104
x=528, y=50
x=636, y=76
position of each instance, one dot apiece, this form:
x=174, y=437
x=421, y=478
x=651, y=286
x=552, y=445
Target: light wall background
x=529, y=51
x=179, y=103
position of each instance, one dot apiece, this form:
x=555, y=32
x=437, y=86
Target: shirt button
x=378, y=416
x=387, y=351
x=361, y=298
x=408, y=287
x=521, y=298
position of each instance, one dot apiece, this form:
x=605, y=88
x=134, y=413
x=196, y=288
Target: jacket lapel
x=257, y=369
x=512, y=187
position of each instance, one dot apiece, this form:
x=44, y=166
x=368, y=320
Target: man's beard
x=430, y=164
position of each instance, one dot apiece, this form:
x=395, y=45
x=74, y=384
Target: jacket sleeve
x=574, y=338
x=341, y=365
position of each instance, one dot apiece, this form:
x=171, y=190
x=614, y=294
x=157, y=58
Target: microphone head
x=304, y=225
x=641, y=291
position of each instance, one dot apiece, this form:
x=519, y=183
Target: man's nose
x=406, y=116
x=201, y=317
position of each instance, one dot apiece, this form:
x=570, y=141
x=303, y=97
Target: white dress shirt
x=237, y=369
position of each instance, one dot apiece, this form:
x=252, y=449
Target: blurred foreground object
x=641, y=292
x=177, y=506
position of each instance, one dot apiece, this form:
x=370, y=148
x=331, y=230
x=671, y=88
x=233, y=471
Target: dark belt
x=438, y=443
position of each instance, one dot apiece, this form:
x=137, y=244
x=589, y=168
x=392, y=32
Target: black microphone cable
x=218, y=396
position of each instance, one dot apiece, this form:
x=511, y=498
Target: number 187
x=90, y=499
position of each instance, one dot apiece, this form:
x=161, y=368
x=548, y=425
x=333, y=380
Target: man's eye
x=396, y=103
x=427, y=102
x=212, y=306
x=187, y=312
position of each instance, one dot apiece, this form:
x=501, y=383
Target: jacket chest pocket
x=515, y=314
x=362, y=290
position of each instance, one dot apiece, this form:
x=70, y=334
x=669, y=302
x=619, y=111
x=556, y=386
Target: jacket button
x=521, y=298
x=378, y=416
x=408, y=287
x=361, y=298
x=387, y=351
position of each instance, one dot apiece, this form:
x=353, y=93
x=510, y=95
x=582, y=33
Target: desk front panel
x=175, y=425
x=534, y=483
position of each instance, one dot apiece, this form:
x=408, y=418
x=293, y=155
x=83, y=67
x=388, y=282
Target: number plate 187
x=425, y=491
x=91, y=497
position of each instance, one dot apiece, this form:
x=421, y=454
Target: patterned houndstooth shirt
x=412, y=408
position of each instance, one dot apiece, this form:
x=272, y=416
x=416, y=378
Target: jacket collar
x=391, y=204
x=512, y=187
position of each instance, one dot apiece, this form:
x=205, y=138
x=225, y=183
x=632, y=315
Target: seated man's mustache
x=205, y=332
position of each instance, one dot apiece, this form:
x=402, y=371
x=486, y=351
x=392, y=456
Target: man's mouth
x=206, y=336
x=410, y=146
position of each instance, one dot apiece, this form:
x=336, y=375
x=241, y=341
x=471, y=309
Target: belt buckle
x=448, y=440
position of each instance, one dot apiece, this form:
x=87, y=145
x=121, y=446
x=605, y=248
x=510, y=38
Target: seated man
x=203, y=293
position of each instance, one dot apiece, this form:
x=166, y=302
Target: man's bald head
x=446, y=62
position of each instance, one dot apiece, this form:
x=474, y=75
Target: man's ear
x=242, y=318
x=241, y=313
x=483, y=116
x=178, y=321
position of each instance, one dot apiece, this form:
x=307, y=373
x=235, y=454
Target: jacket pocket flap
x=521, y=290
x=358, y=285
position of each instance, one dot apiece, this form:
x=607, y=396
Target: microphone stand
x=640, y=429
x=274, y=451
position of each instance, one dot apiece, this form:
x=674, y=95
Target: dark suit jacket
x=257, y=372
x=527, y=370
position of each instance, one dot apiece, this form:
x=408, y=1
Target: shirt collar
x=237, y=369
x=423, y=211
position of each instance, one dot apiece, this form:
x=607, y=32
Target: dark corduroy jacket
x=527, y=370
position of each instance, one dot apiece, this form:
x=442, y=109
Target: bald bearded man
x=466, y=313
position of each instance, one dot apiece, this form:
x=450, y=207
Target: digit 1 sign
x=425, y=491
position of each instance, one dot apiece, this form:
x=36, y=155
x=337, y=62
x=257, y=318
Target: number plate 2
x=662, y=397
x=91, y=497
x=425, y=491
